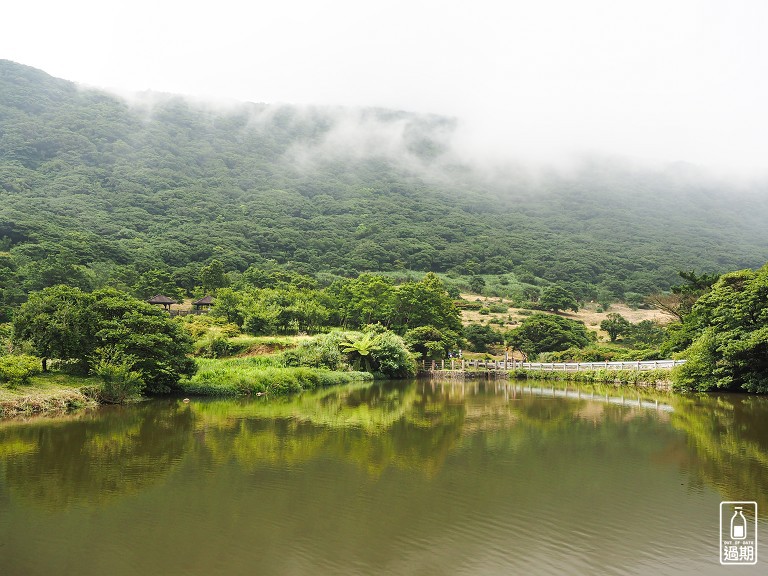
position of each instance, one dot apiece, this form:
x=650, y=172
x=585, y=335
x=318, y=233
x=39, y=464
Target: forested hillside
x=97, y=191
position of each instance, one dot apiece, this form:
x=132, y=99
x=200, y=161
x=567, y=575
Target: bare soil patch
x=589, y=315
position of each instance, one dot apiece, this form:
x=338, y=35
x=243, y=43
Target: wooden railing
x=462, y=364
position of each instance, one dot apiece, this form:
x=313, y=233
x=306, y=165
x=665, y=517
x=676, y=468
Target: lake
x=424, y=477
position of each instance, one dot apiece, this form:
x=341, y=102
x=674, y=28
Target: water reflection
x=414, y=425
x=727, y=437
x=94, y=457
x=399, y=477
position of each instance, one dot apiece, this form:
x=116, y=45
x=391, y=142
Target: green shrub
x=323, y=351
x=213, y=345
x=17, y=370
x=392, y=357
x=467, y=305
x=120, y=382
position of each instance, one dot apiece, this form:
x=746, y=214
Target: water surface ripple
x=423, y=478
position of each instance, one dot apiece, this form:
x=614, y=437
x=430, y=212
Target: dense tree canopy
x=616, y=325
x=68, y=324
x=548, y=333
x=164, y=195
x=556, y=298
x=731, y=350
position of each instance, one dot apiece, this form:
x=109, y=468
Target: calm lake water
x=421, y=478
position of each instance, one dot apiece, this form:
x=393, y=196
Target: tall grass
x=261, y=374
x=658, y=378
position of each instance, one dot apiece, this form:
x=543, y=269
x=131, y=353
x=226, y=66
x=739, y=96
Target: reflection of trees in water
x=728, y=443
x=103, y=454
x=374, y=427
x=412, y=426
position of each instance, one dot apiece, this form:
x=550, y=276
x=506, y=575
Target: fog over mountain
x=542, y=83
x=98, y=190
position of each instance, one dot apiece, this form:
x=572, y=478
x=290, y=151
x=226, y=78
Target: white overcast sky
x=667, y=80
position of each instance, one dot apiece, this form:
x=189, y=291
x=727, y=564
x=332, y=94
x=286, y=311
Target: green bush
x=392, y=357
x=120, y=382
x=213, y=346
x=17, y=370
x=200, y=324
x=323, y=351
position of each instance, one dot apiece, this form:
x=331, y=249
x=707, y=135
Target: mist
x=529, y=84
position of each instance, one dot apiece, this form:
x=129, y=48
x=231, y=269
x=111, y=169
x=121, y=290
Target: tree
x=232, y=305
x=213, y=277
x=548, y=333
x=680, y=301
x=556, y=298
x=156, y=281
x=425, y=303
x=360, y=349
x=65, y=323
x=58, y=323
x=616, y=325
x=647, y=333
x=391, y=356
x=731, y=349
x=377, y=351
x=157, y=344
x=365, y=300
x=430, y=343
x=477, y=284
x=480, y=336
x=56, y=269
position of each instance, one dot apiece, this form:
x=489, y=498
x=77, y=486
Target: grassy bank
x=657, y=378
x=261, y=375
x=51, y=393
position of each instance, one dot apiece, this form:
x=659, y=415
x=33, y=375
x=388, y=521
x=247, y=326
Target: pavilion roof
x=160, y=299
x=204, y=300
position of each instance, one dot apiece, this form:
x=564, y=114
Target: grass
x=657, y=378
x=261, y=375
x=245, y=344
x=51, y=393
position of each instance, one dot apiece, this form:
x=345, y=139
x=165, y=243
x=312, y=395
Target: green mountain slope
x=96, y=191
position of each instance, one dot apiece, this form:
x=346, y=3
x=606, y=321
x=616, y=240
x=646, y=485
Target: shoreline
x=44, y=403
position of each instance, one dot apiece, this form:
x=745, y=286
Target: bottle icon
x=738, y=524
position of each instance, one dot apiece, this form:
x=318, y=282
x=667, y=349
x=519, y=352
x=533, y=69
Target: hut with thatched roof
x=161, y=300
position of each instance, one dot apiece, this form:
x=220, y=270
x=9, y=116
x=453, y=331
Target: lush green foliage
x=120, y=382
x=548, y=333
x=17, y=370
x=248, y=376
x=429, y=343
x=480, y=336
x=556, y=298
x=322, y=351
x=166, y=197
x=616, y=325
x=731, y=349
x=68, y=324
x=379, y=351
x=58, y=324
